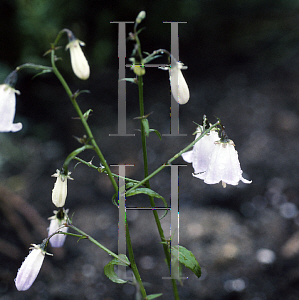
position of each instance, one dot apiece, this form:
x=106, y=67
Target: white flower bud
x=59, y=192
x=8, y=109
x=179, y=87
x=140, y=17
x=79, y=62
x=30, y=268
x=56, y=224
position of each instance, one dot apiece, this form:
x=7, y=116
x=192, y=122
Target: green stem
x=104, y=163
x=102, y=170
x=133, y=263
x=34, y=66
x=147, y=184
x=72, y=156
x=84, y=122
x=85, y=235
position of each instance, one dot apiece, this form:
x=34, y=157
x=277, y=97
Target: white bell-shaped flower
x=224, y=165
x=59, y=191
x=30, y=268
x=79, y=62
x=57, y=224
x=8, y=109
x=200, y=155
x=179, y=87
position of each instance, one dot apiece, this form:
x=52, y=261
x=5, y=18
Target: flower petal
x=79, y=62
x=179, y=87
x=188, y=156
x=8, y=109
x=59, y=191
x=29, y=269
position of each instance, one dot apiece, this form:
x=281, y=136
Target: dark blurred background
x=243, y=62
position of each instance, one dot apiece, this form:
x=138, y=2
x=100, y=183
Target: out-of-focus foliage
x=215, y=28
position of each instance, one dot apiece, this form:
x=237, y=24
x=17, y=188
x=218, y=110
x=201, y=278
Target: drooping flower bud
x=179, y=87
x=140, y=17
x=79, y=62
x=56, y=224
x=30, y=267
x=59, y=192
x=8, y=104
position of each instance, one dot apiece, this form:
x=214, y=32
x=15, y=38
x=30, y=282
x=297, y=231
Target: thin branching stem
x=147, y=184
x=103, y=161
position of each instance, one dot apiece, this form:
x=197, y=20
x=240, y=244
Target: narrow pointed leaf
x=86, y=114
x=153, y=296
x=157, y=133
x=109, y=268
x=150, y=193
x=41, y=73
x=113, y=199
x=187, y=258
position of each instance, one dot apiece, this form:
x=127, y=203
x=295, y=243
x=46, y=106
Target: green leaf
x=145, y=126
x=113, y=199
x=150, y=193
x=150, y=57
x=187, y=258
x=109, y=268
x=153, y=296
x=157, y=133
x=130, y=184
x=86, y=114
x=41, y=73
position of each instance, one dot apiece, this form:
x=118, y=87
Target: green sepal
x=77, y=93
x=187, y=258
x=157, y=133
x=150, y=57
x=153, y=296
x=109, y=268
x=150, y=193
x=86, y=114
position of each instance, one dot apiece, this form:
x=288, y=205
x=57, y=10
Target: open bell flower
x=30, y=268
x=59, y=192
x=79, y=62
x=215, y=159
x=224, y=165
x=199, y=156
x=179, y=87
x=57, y=224
x=8, y=105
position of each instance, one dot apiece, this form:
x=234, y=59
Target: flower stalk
x=83, y=120
x=147, y=184
x=102, y=159
x=142, y=182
